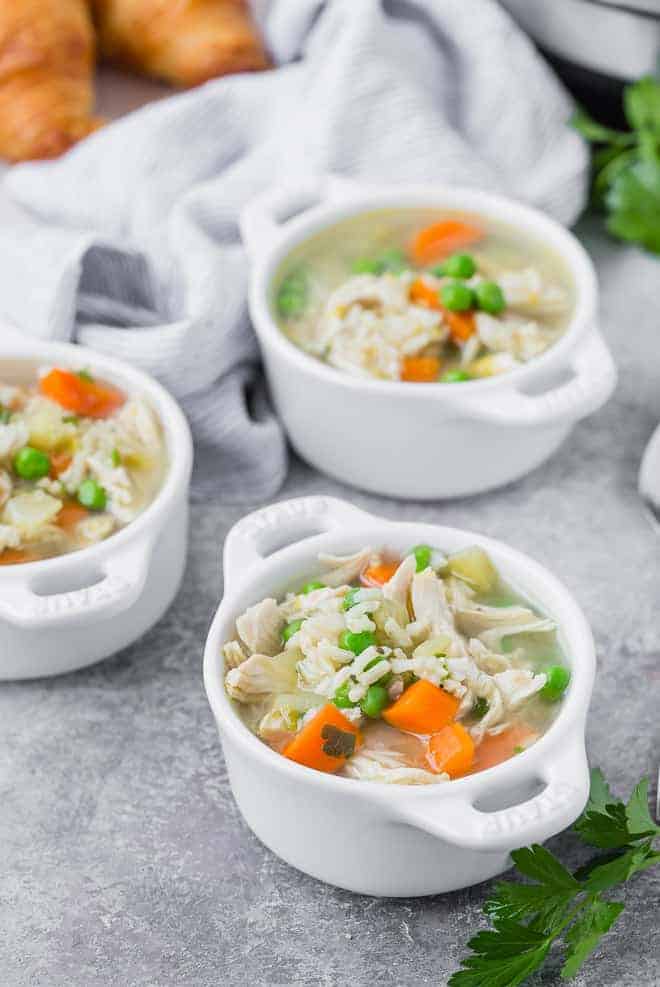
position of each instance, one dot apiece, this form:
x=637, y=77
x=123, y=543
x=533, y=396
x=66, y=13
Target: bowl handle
x=262, y=219
x=124, y=576
x=594, y=378
x=458, y=822
x=263, y=532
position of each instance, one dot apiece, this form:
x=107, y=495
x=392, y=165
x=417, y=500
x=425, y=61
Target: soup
x=79, y=460
x=423, y=296
x=411, y=670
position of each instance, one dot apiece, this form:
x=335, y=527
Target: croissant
x=46, y=65
x=184, y=42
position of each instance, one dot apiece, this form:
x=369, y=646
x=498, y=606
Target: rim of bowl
x=570, y=716
x=321, y=216
x=170, y=416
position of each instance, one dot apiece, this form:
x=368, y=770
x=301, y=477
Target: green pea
x=558, y=678
x=490, y=297
x=70, y=419
x=356, y=642
x=31, y=463
x=374, y=701
x=459, y=266
x=5, y=414
x=341, y=699
x=310, y=587
x=291, y=628
x=454, y=376
x=350, y=599
x=456, y=296
x=292, y=295
x=480, y=708
x=85, y=375
x=422, y=555
x=92, y=495
x=518, y=749
x=116, y=458
x=391, y=260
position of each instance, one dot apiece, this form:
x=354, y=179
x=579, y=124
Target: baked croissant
x=46, y=65
x=184, y=42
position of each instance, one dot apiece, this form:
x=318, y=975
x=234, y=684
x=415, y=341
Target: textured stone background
x=124, y=860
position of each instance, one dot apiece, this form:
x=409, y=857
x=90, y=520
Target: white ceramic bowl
x=423, y=441
x=393, y=839
x=66, y=612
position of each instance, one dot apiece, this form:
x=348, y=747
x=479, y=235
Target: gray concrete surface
x=123, y=858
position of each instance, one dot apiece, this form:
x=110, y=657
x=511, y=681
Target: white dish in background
x=431, y=440
x=648, y=481
x=393, y=840
x=62, y=613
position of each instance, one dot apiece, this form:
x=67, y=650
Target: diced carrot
x=378, y=575
x=423, y=294
x=326, y=742
x=59, y=462
x=71, y=513
x=461, y=324
x=12, y=556
x=422, y=708
x=441, y=239
x=91, y=398
x=451, y=750
x=420, y=369
x=494, y=749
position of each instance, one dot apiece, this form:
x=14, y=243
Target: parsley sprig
x=560, y=907
x=627, y=165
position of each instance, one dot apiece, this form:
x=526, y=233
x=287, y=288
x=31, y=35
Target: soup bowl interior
x=17, y=367
x=132, y=574
x=277, y=228
x=525, y=799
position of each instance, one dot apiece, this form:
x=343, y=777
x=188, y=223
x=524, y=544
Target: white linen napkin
x=129, y=243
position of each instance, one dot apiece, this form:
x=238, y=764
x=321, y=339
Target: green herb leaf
x=603, y=823
x=528, y=918
x=338, y=743
x=585, y=934
x=640, y=824
x=621, y=867
x=627, y=165
x=641, y=102
x=634, y=204
x=595, y=132
x=504, y=957
x=541, y=865
x=523, y=901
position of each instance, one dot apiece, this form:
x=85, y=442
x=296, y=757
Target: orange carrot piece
x=12, y=556
x=451, y=750
x=494, y=749
x=441, y=239
x=420, y=369
x=378, y=575
x=91, y=398
x=422, y=708
x=461, y=324
x=325, y=742
x=59, y=462
x=71, y=513
x=420, y=293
